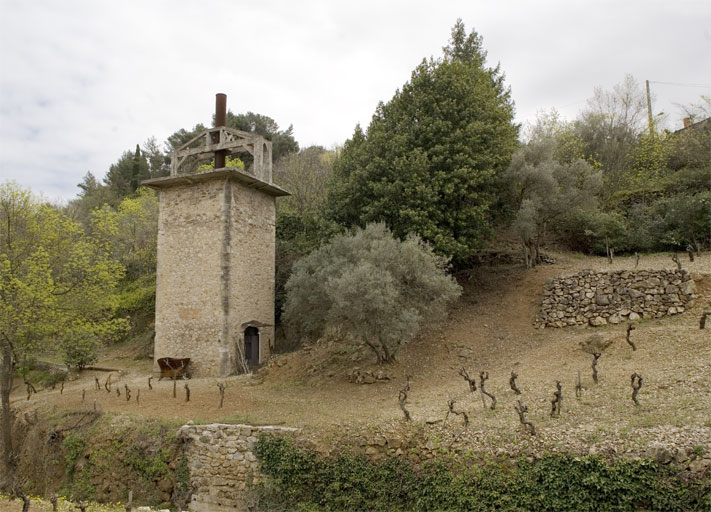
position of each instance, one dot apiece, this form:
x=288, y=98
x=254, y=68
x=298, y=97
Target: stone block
x=597, y=321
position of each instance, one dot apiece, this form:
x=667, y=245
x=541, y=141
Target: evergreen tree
x=283, y=141
x=125, y=176
x=428, y=161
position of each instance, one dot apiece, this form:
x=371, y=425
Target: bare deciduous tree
x=30, y=388
x=221, y=386
x=512, y=382
x=483, y=377
x=522, y=410
x=630, y=328
x=690, y=251
x=596, y=356
x=675, y=259
x=470, y=381
x=20, y=493
x=452, y=410
x=636, y=381
x=557, y=399
x=402, y=398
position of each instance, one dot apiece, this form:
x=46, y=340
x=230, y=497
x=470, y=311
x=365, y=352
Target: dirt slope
x=489, y=329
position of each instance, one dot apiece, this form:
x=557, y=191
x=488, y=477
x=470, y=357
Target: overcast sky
x=83, y=81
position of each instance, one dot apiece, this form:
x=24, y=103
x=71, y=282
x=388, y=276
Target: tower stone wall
x=215, y=274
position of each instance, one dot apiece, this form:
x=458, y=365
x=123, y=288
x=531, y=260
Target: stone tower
x=216, y=239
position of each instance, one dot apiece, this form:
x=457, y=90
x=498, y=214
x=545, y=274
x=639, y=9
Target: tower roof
x=230, y=173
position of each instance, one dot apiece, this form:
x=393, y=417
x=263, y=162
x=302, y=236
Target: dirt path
x=490, y=329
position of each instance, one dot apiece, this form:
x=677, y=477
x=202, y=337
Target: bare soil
x=490, y=328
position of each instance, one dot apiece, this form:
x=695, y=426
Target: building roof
x=230, y=173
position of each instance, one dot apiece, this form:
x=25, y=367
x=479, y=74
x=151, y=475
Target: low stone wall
x=222, y=464
x=599, y=298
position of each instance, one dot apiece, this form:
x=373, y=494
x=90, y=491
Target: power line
x=705, y=86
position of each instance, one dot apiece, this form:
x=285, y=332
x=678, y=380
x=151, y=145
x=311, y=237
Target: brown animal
x=172, y=367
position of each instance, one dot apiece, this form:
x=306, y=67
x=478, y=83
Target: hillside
x=491, y=329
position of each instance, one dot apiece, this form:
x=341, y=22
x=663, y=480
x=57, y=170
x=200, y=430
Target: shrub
x=298, y=479
x=372, y=288
x=80, y=350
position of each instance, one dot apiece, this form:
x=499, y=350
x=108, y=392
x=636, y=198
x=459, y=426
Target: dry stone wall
x=222, y=464
x=600, y=298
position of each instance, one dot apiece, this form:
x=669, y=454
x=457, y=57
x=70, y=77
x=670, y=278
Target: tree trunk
x=6, y=374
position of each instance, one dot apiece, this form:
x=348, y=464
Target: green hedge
x=298, y=479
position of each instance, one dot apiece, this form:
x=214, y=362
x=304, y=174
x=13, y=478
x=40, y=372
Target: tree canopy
x=428, y=161
x=56, y=287
x=283, y=142
x=370, y=288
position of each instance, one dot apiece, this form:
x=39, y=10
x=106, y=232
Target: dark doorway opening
x=251, y=346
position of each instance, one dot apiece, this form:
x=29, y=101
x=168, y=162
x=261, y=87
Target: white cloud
x=83, y=81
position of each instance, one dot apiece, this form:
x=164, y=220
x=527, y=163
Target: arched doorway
x=251, y=346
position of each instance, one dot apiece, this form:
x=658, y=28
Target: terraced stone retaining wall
x=222, y=464
x=599, y=298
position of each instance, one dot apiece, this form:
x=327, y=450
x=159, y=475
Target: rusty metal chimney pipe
x=220, y=120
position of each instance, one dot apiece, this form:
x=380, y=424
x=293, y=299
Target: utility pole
x=649, y=111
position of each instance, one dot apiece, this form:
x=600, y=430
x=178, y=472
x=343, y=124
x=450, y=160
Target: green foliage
x=140, y=453
x=608, y=129
x=150, y=465
x=300, y=224
x=229, y=162
x=56, y=284
x=283, y=142
x=371, y=288
x=76, y=484
x=130, y=231
x=124, y=177
x=46, y=378
x=182, y=136
x=138, y=295
x=182, y=474
x=73, y=446
x=546, y=191
x=593, y=231
x=297, y=479
x=648, y=158
x=428, y=162
x=80, y=350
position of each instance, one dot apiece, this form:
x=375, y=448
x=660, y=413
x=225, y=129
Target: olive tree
x=370, y=288
x=547, y=191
